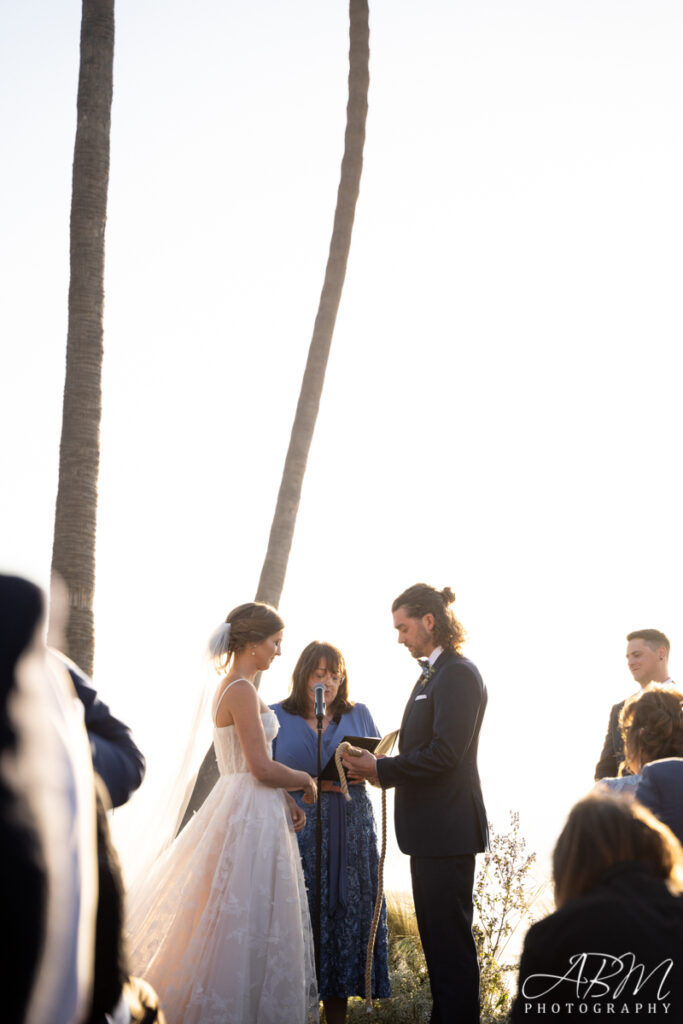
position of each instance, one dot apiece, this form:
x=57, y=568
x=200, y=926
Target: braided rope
x=355, y=752
x=347, y=749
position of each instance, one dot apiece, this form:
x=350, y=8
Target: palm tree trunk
x=73, y=552
x=282, y=529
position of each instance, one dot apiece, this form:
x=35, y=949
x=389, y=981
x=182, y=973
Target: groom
x=439, y=810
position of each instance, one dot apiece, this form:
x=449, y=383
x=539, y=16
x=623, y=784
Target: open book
x=380, y=748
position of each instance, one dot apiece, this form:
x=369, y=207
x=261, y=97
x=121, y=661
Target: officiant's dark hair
x=605, y=829
x=298, y=702
x=421, y=599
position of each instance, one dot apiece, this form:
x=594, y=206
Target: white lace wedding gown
x=221, y=927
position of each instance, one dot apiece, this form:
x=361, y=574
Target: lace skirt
x=221, y=926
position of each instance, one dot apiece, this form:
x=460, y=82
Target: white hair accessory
x=219, y=642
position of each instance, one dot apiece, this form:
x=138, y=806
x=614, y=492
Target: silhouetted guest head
x=22, y=608
x=605, y=829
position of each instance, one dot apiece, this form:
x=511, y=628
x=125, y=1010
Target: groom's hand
x=362, y=767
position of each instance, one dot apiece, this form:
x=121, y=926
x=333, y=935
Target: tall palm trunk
x=282, y=529
x=73, y=552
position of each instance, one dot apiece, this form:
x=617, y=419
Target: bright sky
x=501, y=408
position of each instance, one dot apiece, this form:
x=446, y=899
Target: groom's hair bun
x=420, y=600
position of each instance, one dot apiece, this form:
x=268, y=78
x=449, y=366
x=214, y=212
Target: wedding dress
x=221, y=926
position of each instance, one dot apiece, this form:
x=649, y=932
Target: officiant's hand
x=359, y=768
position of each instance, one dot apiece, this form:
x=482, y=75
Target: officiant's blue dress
x=349, y=858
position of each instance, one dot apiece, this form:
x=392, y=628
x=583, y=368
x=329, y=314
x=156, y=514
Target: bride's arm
x=243, y=703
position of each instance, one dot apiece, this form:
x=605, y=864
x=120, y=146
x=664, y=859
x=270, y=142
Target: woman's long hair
x=605, y=829
x=298, y=702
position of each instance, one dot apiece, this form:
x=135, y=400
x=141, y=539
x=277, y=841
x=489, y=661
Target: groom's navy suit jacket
x=439, y=809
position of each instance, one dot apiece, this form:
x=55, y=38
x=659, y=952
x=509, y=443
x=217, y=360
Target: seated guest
x=612, y=946
x=23, y=880
x=652, y=724
x=661, y=789
x=115, y=756
x=652, y=731
x=119, y=767
x=349, y=842
x=61, y=892
x=48, y=822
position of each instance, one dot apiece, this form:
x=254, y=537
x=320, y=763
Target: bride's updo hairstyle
x=421, y=599
x=249, y=623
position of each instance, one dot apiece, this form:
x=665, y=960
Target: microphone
x=319, y=691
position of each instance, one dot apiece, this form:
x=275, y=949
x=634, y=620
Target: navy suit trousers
x=442, y=891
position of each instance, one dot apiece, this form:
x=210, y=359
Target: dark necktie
x=426, y=670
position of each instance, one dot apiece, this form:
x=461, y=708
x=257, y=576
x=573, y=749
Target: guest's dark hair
x=652, y=637
x=250, y=623
x=298, y=702
x=421, y=599
x=651, y=724
x=605, y=829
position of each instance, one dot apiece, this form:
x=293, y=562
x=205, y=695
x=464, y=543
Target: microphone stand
x=320, y=715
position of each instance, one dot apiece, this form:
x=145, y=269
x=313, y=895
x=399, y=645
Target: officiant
x=349, y=841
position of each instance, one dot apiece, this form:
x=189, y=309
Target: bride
x=220, y=927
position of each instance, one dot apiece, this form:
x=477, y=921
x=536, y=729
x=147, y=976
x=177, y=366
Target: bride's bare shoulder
x=237, y=685
x=233, y=694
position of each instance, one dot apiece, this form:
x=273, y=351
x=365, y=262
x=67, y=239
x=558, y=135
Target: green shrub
x=503, y=899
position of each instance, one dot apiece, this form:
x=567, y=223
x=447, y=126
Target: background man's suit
x=441, y=823
x=613, y=748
